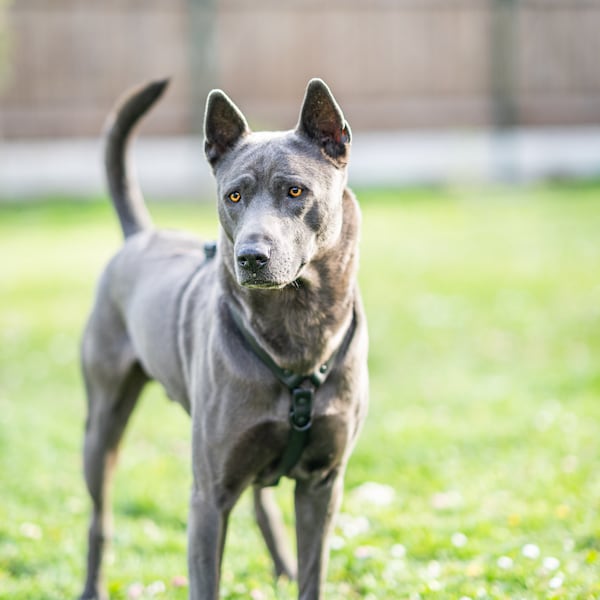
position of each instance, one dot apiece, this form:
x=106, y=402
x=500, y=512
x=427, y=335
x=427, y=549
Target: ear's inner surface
x=224, y=125
x=322, y=121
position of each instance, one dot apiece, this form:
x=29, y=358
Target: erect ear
x=322, y=121
x=224, y=125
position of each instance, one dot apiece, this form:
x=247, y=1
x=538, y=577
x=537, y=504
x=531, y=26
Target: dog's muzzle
x=252, y=266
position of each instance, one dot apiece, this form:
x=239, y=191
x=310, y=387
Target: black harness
x=302, y=389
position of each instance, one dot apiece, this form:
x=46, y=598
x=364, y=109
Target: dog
x=260, y=337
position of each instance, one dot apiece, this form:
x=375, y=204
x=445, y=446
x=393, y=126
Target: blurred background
x=476, y=162
x=435, y=90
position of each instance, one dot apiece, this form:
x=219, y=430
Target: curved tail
x=122, y=183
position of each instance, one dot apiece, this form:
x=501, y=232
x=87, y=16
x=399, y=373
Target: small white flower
x=392, y=568
x=179, y=581
x=556, y=582
x=531, y=551
x=353, y=526
x=135, y=591
x=398, y=551
x=551, y=563
x=374, y=493
x=447, y=500
x=458, y=539
x=156, y=588
x=465, y=598
x=505, y=562
x=364, y=552
x=336, y=542
x=434, y=569
x=31, y=531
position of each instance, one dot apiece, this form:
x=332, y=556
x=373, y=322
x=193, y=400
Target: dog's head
x=279, y=194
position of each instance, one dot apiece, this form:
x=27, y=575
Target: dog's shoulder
x=153, y=260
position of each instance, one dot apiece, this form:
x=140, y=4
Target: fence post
x=203, y=57
x=504, y=144
x=503, y=62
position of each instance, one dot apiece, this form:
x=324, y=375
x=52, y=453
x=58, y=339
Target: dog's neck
x=301, y=325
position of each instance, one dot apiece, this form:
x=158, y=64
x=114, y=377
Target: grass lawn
x=478, y=471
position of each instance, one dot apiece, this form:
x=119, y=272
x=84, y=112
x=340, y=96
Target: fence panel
x=392, y=63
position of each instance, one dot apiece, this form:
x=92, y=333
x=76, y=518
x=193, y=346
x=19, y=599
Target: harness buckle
x=301, y=409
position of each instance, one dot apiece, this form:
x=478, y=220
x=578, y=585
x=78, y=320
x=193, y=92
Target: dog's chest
x=257, y=451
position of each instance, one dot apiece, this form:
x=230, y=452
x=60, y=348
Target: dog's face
x=279, y=194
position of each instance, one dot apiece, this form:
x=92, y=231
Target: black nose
x=253, y=258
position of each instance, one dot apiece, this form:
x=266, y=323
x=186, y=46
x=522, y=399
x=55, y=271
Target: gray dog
x=262, y=338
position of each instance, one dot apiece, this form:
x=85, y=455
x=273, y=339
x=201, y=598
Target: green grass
x=484, y=315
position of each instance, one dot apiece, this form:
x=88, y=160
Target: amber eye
x=235, y=196
x=295, y=191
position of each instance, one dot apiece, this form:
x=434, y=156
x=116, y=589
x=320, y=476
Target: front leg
x=317, y=504
x=207, y=528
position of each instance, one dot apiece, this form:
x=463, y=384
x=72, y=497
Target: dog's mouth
x=260, y=281
x=255, y=282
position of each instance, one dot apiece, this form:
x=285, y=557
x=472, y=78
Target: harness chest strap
x=302, y=389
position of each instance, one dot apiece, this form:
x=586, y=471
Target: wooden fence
x=392, y=63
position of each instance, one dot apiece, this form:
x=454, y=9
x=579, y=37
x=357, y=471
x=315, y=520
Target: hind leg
x=270, y=523
x=113, y=385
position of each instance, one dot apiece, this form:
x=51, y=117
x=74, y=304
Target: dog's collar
x=302, y=388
